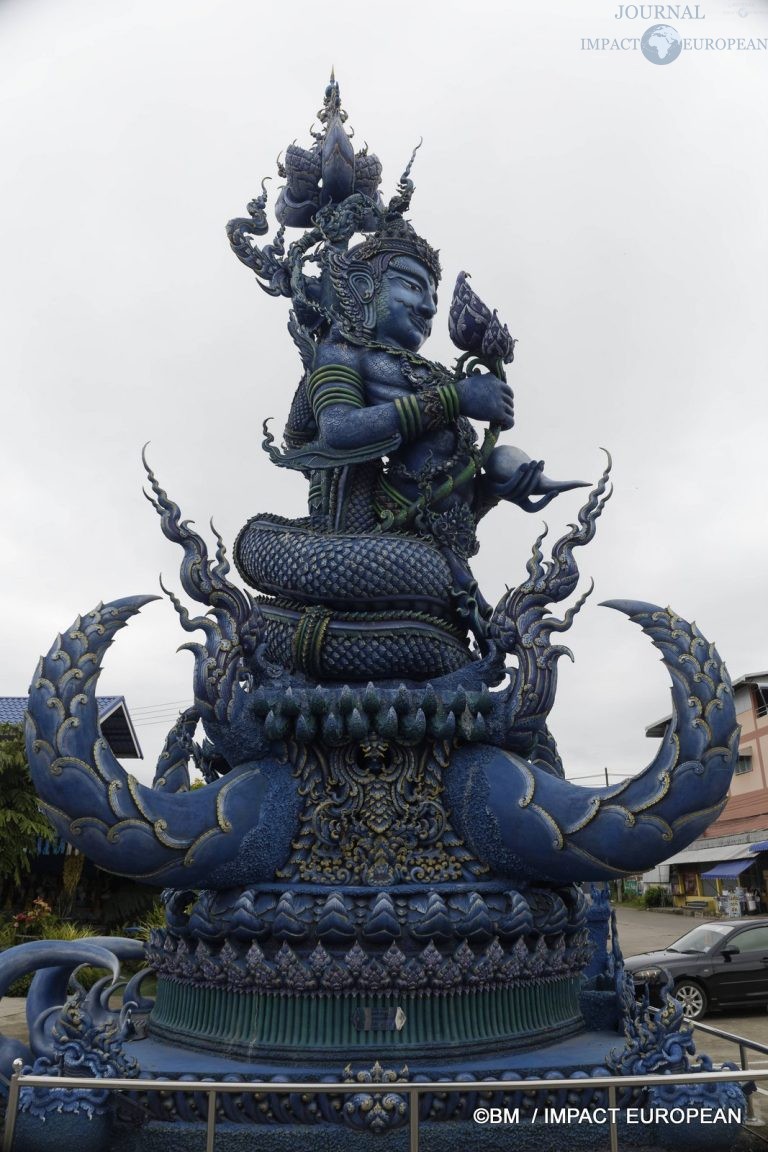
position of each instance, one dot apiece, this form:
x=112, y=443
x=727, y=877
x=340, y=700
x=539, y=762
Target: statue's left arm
x=511, y=475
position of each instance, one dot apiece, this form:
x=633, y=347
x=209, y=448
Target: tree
x=21, y=822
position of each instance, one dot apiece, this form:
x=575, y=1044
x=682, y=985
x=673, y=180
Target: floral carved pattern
x=374, y=814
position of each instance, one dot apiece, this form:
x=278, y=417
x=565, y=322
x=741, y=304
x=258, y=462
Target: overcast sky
x=613, y=210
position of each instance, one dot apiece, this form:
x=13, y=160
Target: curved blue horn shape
x=236, y=830
x=526, y=823
x=515, y=815
x=50, y=986
x=61, y=956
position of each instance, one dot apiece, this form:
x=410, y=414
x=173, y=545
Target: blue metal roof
x=115, y=722
x=12, y=707
x=727, y=868
x=760, y=846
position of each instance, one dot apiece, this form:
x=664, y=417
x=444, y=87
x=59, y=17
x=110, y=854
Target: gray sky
x=613, y=210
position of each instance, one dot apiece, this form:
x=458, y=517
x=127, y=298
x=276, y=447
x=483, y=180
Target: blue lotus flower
x=475, y=329
x=497, y=342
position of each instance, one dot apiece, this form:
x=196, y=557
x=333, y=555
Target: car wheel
x=692, y=997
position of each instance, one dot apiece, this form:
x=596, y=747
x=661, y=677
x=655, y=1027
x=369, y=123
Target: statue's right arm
x=338, y=397
x=350, y=418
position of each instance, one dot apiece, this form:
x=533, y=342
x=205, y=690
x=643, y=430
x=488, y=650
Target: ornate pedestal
x=308, y=975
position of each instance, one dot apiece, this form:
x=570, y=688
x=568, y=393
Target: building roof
x=745, y=813
x=699, y=855
x=114, y=721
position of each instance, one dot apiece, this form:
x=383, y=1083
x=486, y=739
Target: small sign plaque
x=378, y=1019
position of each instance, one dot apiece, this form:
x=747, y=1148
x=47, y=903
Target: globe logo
x=661, y=44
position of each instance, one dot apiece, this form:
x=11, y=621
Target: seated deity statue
x=404, y=420
x=398, y=476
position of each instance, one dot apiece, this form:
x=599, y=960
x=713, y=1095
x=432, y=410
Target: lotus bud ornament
x=497, y=342
x=477, y=331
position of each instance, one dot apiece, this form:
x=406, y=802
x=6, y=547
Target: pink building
x=733, y=852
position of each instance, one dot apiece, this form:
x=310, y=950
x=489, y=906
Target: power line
x=605, y=774
x=170, y=719
x=155, y=707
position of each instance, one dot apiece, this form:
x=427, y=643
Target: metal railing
x=213, y=1088
x=743, y=1044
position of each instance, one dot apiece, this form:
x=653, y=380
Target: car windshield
x=701, y=939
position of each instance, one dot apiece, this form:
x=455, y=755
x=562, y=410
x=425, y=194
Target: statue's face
x=405, y=304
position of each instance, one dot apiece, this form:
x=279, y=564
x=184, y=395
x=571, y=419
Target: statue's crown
x=398, y=236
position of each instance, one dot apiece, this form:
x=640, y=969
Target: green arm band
x=420, y=412
x=335, y=384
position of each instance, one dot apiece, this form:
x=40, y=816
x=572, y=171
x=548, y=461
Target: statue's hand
x=510, y=474
x=518, y=487
x=482, y=396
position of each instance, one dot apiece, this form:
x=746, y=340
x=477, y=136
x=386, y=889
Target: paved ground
x=641, y=931
x=13, y=1022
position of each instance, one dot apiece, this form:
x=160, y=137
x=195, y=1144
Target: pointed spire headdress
x=332, y=191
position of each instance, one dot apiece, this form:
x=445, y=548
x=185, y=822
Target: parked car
x=721, y=964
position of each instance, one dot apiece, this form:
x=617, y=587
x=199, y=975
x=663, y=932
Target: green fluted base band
x=316, y=1025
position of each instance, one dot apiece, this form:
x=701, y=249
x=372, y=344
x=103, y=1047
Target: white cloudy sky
x=614, y=211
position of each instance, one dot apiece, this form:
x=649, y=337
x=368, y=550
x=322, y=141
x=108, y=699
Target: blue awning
x=760, y=846
x=727, y=868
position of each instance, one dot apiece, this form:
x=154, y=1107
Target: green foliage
x=155, y=918
x=65, y=930
x=21, y=823
x=8, y=934
x=20, y=987
x=127, y=905
x=39, y=923
x=656, y=898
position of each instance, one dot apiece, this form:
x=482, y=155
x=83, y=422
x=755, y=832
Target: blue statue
x=362, y=628
x=385, y=820
x=367, y=394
